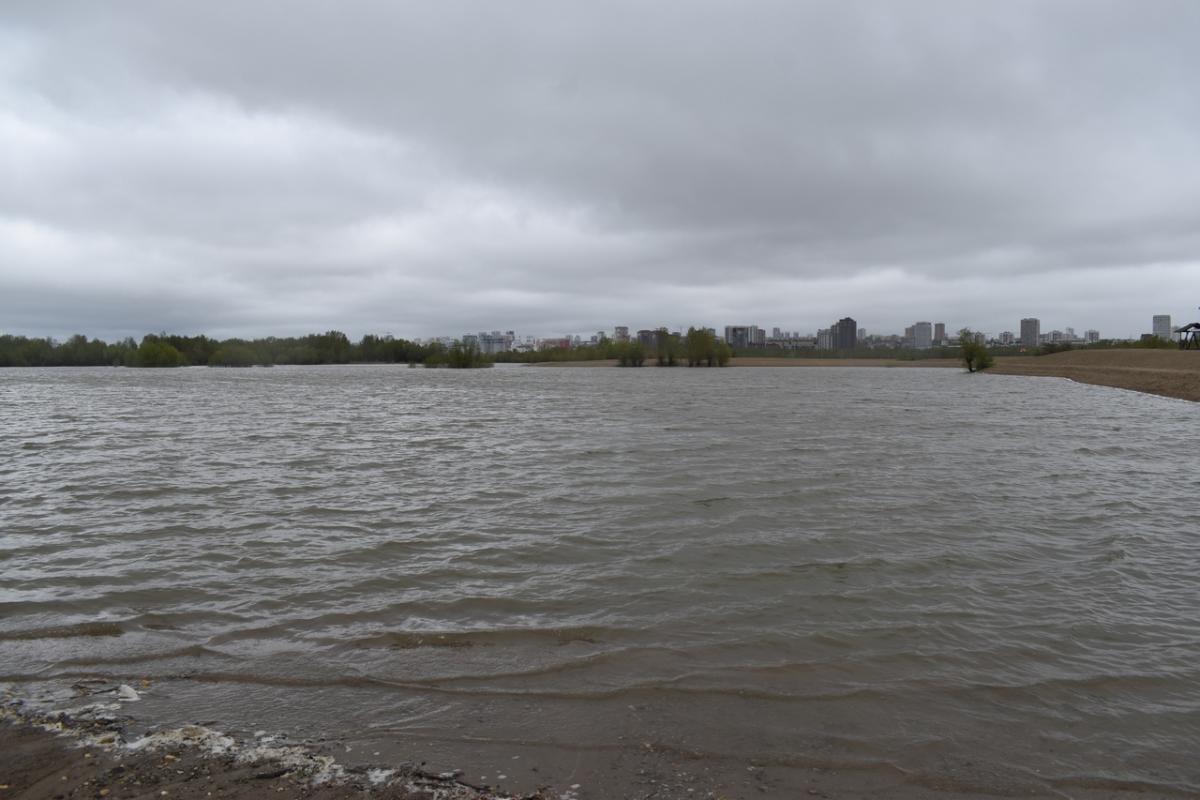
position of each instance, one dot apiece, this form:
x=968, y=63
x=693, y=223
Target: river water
x=730, y=580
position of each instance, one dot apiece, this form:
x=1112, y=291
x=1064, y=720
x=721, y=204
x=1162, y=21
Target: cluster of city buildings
x=841, y=335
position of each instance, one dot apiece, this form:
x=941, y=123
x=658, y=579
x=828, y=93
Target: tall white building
x=922, y=335
x=744, y=336
x=1031, y=331
x=1162, y=326
x=493, y=342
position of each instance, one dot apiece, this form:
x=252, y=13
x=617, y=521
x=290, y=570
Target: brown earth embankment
x=759, y=361
x=1170, y=373
x=755, y=361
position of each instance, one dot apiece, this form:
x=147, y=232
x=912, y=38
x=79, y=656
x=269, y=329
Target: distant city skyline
x=838, y=335
x=841, y=335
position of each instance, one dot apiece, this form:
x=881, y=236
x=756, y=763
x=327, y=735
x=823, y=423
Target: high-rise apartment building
x=844, y=334
x=744, y=336
x=1031, y=331
x=1162, y=326
x=922, y=335
x=621, y=333
x=939, y=332
x=494, y=342
x=1091, y=336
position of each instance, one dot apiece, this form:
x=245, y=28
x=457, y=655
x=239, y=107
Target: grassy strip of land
x=769, y=361
x=753, y=361
x=1170, y=373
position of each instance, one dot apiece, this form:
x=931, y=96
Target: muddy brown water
x=615, y=578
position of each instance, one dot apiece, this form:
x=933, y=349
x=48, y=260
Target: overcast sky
x=248, y=168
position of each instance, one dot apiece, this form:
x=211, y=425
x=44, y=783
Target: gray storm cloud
x=429, y=169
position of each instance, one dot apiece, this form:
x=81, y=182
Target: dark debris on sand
x=48, y=756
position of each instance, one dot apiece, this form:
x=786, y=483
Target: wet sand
x=45, y=757
x=1170, y=373
x=51, y=758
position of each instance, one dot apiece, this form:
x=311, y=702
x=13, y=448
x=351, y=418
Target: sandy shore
x=1171, y=373
x=52, y=757
x=844, y=362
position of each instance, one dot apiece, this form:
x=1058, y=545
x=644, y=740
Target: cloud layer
x=430, y=169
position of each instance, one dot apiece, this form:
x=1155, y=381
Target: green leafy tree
x=155, y=353
x=698, y=347
x=666, y=348
x=723, y=353
x=975, y=355
x=630, y=354
x=703, y=348
x=1049, y=348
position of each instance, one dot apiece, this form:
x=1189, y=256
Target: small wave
x=581, y=695
x=65, y=631
x=1119, y=785
x=193, y=651
x=599, y=694
x=412, y=641
x=138, y=494
x=408, y=640
x=709, y=502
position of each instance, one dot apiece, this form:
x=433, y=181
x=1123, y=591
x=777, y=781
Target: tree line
x=699, y=347
x=171, y=350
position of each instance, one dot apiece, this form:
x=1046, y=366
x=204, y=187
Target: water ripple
x=905, y=566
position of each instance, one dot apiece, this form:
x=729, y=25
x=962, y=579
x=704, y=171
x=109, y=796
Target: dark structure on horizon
x=1189, y=336
x=844, y=334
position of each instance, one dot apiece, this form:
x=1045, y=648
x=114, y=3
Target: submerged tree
x=630, y=354
x=666, y=347
x=975, y=354
x=233, y=354
x=461, y=355
x=703, y=348
x=155, y=353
